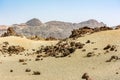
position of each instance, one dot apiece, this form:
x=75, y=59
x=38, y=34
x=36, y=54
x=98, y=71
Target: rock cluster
x=6, y=48
x=110, y=48
x=86, y=30
x=61, y=49
x=81, y=31
x=113, y=58
x=15, y=49
x=102, y=29
x=10, y=32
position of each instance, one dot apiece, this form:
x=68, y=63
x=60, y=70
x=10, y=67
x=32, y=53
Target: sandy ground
x=68, y=68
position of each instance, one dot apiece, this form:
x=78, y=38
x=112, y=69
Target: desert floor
x=67, y=68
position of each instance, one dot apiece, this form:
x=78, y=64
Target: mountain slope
x=57, y=29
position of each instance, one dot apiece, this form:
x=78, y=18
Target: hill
x=57, y=29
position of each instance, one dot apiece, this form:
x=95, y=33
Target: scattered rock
x=113, y=58
x=83, y=50
x=113, y=48
x=107, y=47
x=33, y=49
x=86, y=76
x=41, y=59
x=28, y=70
x=106, y=51
x=36, y=73
x=90, y=54
x=117, y=72
x=88, y=41
x=11, y=70
x=21, y=60
x=24, y=63
x=37, y=59
x=110, y=48
x=38, y=56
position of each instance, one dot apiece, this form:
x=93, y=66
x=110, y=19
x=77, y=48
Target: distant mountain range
x=57, y=29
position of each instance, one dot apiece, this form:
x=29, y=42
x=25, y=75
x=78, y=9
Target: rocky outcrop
x=87, y=30
x=81, y=32
x=104, y=28
x=10, y=32
x=15, y=49
x=61, y=49
x=10, y=49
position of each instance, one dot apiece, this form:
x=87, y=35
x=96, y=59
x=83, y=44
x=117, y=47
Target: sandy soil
x=67, y=68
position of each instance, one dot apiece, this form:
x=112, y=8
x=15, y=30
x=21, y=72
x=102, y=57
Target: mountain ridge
x=57, y=29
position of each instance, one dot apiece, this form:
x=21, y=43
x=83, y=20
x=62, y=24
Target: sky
x=75, y=11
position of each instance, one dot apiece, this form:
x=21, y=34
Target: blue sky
x=19, y=11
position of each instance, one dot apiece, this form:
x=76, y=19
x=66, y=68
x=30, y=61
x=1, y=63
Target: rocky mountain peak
x=92, y=23
x=34, y=22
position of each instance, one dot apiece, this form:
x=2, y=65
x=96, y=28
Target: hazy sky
x=19, y=11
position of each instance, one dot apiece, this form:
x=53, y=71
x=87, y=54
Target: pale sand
x=68, y=68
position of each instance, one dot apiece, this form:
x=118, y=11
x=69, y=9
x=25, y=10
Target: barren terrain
x=65, y=68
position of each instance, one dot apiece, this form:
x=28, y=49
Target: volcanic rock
x=10, y=32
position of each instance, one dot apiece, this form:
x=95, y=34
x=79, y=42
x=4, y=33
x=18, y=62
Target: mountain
x=91, y=23
x=57, y=29
x=34, y=22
